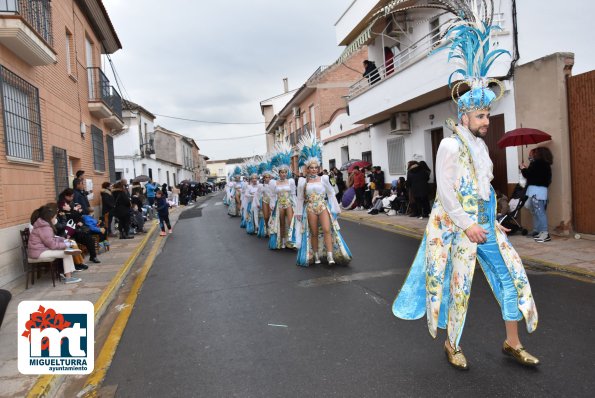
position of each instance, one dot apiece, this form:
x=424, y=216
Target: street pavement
x=220, y=315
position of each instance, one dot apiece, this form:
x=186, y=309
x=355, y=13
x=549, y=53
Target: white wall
x=357, y=144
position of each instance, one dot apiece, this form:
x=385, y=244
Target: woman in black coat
x=122, y=209
x=418, y=176
x=107, y=205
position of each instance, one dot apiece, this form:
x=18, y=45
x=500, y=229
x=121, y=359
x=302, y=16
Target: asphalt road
x=220, y=315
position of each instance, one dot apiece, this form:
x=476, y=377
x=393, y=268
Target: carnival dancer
x=264, y=197
x=240, y=193
x=227, y=194
x=283, y=199
x=463, y=226
x=317, y=210
x=234, y=186
x=251, y=204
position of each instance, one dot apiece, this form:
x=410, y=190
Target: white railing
x=410, y=55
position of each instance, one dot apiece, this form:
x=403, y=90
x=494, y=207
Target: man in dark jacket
x=378, y=179
x=79, y=195
x=417, y=182
x=371, y=72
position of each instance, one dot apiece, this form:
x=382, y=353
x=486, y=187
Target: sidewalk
x=561, y=254
x=99, y=285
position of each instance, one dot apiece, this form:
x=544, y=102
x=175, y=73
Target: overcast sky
x=216, y=60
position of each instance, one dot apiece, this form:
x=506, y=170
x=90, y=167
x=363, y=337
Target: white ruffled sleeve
x=330, y=193
x=446, y=180
x=299, y=206
x=292, y=191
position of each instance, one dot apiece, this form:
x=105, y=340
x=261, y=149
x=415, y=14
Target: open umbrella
x=141, y=178
x=185, y=182
x=348, y=163
x=362, y=164
x=523, y=136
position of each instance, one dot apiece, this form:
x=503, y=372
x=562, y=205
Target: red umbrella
x=523, y=136
x=361, y=164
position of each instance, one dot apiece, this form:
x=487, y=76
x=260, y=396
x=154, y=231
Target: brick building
x=59, y=110
x=318, y=101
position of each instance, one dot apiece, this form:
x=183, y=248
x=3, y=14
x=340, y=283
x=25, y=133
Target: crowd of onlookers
x=406, y=196
x=69, y=228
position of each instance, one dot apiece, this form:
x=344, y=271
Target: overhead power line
x=204, y=121
x=229, y=138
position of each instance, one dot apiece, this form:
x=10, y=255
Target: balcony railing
x=410, y=55
x=37, y=14
x=100, y=89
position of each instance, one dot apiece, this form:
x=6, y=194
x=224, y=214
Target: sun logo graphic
x=56, y=337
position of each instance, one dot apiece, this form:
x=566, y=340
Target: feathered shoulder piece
x=310, y=149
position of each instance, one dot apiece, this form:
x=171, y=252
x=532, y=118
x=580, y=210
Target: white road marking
x=218, y=203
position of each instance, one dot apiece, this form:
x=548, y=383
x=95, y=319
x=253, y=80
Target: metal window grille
x=396, y=155
x=22, y=120
x=60, y=169
x=98, y=148
x=109, y=141
x=37, y=13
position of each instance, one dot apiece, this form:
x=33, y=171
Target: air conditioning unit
x=399, y=123
x=296, y=111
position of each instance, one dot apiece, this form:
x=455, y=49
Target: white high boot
x=329, y=258
x=316, y=258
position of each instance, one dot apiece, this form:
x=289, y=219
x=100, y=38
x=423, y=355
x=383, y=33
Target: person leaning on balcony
x=43, y=244
x=371, y=72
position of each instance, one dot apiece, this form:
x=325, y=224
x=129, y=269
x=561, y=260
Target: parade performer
x=250, y=202
x=463, y=226
x=317, y=210
x=240, y=194
x=227, y=195
x=234, y=186
x=283, y=199
x=264, y=197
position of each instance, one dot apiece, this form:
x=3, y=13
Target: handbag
x=70, y=228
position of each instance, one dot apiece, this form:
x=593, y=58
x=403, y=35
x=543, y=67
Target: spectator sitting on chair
x=378, y=204
x=44, y=244
x=95, y=227
x=70, y=210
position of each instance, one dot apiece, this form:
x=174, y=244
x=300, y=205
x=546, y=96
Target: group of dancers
x=264, y=195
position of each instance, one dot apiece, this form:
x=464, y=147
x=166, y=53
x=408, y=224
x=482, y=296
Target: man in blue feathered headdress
x=463, y=228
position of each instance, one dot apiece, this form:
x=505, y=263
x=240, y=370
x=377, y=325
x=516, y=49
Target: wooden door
x=498, y=156
x=581, y=103
x=437, y=135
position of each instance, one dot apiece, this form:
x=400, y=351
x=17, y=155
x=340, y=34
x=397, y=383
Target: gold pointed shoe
x=456, y=357
x=520, y=355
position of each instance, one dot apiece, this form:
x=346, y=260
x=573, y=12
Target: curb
x=529, y=262
x=46, y=383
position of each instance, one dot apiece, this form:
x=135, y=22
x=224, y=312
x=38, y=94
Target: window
x=98, y=149
x=70, y=58
x=367, y=156
x=332, y=163
x=111, y=162
x=344, y=154
x=22, y=120
x=60, y=170
x=435, y=30
x=313, y=119
x=396, y=155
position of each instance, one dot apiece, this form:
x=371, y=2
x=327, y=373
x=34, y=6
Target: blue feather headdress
x=469, y=46
x=237, y=172
x=310, y=150
x=264, y=165
x=251, y=167
x=282, y=158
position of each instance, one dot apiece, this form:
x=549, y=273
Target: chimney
x=285, y=85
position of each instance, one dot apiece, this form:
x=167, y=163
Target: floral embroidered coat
x=439, y=280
